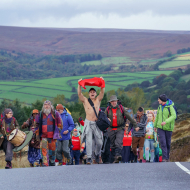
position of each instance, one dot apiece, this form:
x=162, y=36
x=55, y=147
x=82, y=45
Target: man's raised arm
x=101, y=95
x=81, y=97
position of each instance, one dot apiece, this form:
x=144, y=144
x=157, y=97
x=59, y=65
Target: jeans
x=165, y=142
x=75, y=154
x=149, y=148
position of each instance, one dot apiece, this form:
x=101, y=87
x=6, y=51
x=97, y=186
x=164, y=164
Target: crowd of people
x=57, y=140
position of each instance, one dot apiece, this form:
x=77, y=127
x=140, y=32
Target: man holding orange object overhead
x=91, y=132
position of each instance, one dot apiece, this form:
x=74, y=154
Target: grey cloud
x=69, y=9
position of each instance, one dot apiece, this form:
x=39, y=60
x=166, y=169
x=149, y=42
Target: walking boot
x=89, y=161
x=97, y=159
x=117, y=159
x=69, y=161
x=31, y=165
x=8, y=165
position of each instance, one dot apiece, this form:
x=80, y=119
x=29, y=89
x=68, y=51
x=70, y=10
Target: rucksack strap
x=14, y=120
x=169, y=110
x=121, y=109
x=108, y=109
x=92, y=104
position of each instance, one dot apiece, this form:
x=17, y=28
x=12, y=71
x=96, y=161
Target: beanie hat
x=163, y=98
x=35, y=111
x=59, y=107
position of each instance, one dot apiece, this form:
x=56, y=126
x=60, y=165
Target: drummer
x=7, y=124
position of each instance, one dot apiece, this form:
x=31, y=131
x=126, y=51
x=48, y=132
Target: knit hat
x=163, y=98
x=59, y=107
x=47, y=102
x=113, y=98
x=35, y=111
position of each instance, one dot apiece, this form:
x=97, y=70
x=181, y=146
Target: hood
x=64, y=112
x=169, y=102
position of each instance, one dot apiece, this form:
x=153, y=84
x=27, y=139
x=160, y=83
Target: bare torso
x=90, y=115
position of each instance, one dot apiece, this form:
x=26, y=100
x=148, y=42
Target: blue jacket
x=68, y=124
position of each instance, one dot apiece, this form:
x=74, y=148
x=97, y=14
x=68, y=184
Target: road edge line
x=183, y=167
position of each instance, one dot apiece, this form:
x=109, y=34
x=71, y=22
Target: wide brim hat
x=29, y=135
x=113, y=98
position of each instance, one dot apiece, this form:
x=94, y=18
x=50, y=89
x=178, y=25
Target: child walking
x=76, y=146
x=127, y=141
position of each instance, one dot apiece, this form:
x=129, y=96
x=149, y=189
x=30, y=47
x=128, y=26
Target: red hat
x=59, y=107
x=75, y=130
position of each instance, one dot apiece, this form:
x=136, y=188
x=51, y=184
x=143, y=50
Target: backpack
x=175, y=108
x=103, y=123
x=121, y=109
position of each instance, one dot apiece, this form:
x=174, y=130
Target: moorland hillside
x=137, y=44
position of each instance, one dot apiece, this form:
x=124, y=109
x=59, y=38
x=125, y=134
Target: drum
x=17, y=137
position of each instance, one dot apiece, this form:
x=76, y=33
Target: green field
x=30, y=91
x=180, y=60
x=151, y=61
x=173, y=63
x=110, y=60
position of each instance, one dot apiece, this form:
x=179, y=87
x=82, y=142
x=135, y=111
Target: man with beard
x=47, y=122
x=91, y=132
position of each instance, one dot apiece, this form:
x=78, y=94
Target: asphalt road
x=136, y=176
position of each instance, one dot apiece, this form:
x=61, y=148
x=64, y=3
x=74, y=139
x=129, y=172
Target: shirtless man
x=91, y=132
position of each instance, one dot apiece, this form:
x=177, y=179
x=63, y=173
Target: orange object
x=35, y=111
x=99, y=82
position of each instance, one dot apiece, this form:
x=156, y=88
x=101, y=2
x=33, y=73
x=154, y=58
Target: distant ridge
x=137, y=44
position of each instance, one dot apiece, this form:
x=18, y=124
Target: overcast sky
x=126, y=14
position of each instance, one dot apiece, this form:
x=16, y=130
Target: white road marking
x=183, y=167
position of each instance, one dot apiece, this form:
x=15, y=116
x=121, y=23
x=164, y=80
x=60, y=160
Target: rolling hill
x=136, y=44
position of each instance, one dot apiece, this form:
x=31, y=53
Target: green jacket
x=163, y=115
x=120, y=118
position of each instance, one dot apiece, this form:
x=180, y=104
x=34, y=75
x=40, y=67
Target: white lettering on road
x=183, y=167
